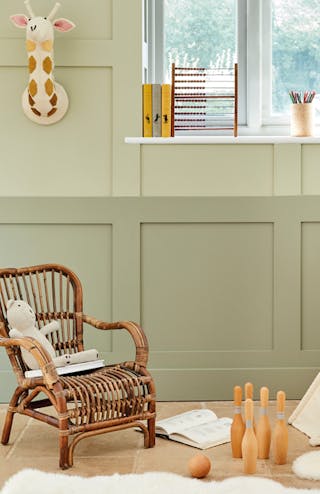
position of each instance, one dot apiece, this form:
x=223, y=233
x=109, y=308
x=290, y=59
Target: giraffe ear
x=63, y=25
x=19, y=20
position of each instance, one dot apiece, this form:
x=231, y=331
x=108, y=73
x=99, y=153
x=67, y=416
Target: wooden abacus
x=204, y=99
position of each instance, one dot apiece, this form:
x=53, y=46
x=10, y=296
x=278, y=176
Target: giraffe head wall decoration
x=44, y=101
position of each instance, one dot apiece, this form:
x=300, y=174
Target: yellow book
x=147, y=110
x=166, y=110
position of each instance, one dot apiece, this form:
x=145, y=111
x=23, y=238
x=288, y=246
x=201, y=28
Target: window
x=188, y=40
x=276, y=44
x=295, y=49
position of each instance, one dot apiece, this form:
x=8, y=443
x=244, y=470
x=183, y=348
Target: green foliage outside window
x=199, y=33
x=202, y=33
x=295, y=49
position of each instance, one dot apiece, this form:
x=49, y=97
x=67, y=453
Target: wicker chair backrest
x=55, y=293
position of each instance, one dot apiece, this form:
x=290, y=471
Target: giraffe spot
x=47, y=45
x=49, y=87
x=54, y=100
x=51, y=112
x=47, y=65
x=30, y=45
x=36, y=112
x=31, y=100
x=33, y=88
x=32, y=64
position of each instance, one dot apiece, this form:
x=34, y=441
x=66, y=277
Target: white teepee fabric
x=306, y=417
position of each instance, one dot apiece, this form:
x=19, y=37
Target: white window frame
x=153, y=45
x=269, y=119
x=254, y=54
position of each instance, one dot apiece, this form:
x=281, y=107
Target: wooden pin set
x=252, y=441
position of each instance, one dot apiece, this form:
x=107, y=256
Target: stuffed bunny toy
x=22, y=319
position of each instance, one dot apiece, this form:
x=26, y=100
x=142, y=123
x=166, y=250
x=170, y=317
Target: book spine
x=166, y=110
x=156, y=110
x=147, y=110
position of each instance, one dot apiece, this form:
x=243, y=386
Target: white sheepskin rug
x=307, y=466
x=31, y=481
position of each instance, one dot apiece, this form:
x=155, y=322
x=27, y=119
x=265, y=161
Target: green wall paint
x=224, y=286
x=207, y=170
x=215, y=282
x=205, y=272
x=100, y=64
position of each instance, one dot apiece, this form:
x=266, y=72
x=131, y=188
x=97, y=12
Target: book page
x=185, y=421
x=213, y=432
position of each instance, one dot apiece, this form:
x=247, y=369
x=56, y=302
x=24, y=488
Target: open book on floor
x=69, y=369
x=198, y=428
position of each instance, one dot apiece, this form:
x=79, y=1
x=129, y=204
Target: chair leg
x=61, y=408
x=152, y=432
x=64, y=452
x=9, y=416
x=7, y=427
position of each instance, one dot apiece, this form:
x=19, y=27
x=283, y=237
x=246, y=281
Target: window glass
x=199, y=33
x=295, y=50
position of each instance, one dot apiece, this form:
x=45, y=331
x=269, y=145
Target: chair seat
x=112, y=392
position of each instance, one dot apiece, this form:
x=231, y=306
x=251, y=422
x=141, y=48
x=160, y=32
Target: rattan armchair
x=110, y=398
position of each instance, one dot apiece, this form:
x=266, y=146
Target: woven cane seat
x=111, y=398
x=112, y=392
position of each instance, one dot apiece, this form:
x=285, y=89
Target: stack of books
x=156, y=110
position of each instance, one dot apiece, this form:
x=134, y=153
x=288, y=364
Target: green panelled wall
x=100, y=65
x=226, y=287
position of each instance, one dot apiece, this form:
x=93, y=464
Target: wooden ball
x=199, y=466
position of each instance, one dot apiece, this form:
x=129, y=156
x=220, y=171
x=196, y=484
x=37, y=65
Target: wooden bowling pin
x=248, y=393
x=280, y=433
x=263, y=428
x=237, y=426
x=249, y=441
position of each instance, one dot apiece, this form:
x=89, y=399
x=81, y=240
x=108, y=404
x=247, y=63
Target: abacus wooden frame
x=197, y=96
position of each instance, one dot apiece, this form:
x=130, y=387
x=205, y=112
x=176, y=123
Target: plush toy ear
x=19, y=20
x=10, y=303
x=63, y=25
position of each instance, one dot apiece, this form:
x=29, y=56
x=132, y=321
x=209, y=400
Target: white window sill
x=223, y=140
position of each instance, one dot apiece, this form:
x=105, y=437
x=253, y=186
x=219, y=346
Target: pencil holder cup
x=302, y=119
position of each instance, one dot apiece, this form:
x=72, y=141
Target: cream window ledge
x=223, y=140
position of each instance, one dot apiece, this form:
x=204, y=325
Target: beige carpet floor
x=35, y=445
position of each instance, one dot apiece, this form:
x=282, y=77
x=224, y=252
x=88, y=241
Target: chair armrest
x=136, y=332
x=50, y=376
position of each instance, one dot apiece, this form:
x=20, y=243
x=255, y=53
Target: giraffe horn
x=29, y=9
x=53, y=11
